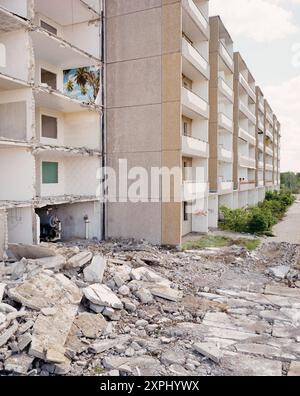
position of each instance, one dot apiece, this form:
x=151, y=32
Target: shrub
x=235, y=220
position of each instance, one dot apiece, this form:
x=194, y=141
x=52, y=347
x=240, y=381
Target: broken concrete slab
x=18, y=364
x=173, y=356
x=166, y=293
x=45, y=291
x=280, y=271
x=145, y=274
x=52, y=263
x=23, y=341
x=8, y=333
x=94, y=272
x=105, y=345
x=6, y=308
x=30, y=251
x=294, y=370
x=103, y=296
x=50, y=333
x=79, y=260
x=209, y=350
x=244, y=365
x=90, y=325
x=267, y=351
x=283, y=291
x=2, y=290
x=145, y=365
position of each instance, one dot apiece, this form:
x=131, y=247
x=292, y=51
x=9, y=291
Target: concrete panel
x=171, y=223
x=140, y=221
x=134, y=129
x=13, y=120
x=72, y=220
x=20, y=225
x=3, y=233
x=133, y=36
x=134, y=83
x=171, y=126
x=120, y=7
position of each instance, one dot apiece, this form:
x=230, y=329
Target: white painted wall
x=20, y=226
x=60, y=127
x=21, y=95
x=18, y=7
x=17, y=54
x=82, y=129
x=3, y=232
x=72, y=218
x=40, y=64
x=50, y=190
x=213, y=211
x=2, y=55
x=83, y=36
x=18, y=176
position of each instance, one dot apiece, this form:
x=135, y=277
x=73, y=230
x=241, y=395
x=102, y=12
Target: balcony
x=226, y=90
x=196, y=16
x=246, y=185
x=261, y=126
x=192, y=190
x=245, y=135
x=225, y=187
x=269, y=151
x=260, y=183
x=225, y=123
x=269, y=183
x=260, y=164
x=247, y=87
x=193, y=105
x=260, y=146
x=247, y=112
x=270, y=117
x=269, y=167
x=269, y=133
x=225, y=155
x=191, y=55
x=247, y=162
x=225, y=55
x=192, y=147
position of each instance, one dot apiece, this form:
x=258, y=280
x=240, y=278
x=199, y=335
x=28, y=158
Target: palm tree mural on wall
x=82, y=83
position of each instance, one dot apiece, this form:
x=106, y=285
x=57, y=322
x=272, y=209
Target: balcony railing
x=225, y=123
x=269, y=151
x=196, y=15
x=247, y=162
x=261, y=146
x=246, y=185
x=226, y=90
x=195, y=58
x=269, y=167
x=225, y=155
x=247, y=87
x=225, y=187
x=194, y=147
x=245, y=135
x=247, y=112
x=194, y=104
x=269, y=133
x=225, y=55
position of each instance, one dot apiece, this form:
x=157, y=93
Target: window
x=185, y=211
x=49, y=127
x=187, y=83
x=49, y=78
x=187, y=126
x=48, y=27
x=49, y=172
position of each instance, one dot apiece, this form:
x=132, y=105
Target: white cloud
x=285, y=101
x=260, y=20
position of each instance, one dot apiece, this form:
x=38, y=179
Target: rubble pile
x=128, y=308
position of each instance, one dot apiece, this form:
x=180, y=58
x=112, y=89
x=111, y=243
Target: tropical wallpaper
x=82, y=83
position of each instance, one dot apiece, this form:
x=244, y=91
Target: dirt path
x=288, y=230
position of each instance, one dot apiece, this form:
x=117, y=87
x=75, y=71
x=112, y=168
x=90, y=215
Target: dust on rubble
x=128, y=308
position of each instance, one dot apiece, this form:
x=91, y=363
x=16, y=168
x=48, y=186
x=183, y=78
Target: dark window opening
x=49, y=127
x=185, y=211
x=49, y=78
x=48, y=27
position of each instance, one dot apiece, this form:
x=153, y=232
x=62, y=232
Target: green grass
x=220, y=241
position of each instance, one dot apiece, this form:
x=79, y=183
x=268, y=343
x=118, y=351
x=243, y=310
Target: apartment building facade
x=50, y=125
x=173, y=95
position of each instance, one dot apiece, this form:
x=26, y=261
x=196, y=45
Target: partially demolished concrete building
x=84, y=84
x=50, y=144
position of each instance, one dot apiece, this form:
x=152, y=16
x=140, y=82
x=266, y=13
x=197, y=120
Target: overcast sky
x=267, y=33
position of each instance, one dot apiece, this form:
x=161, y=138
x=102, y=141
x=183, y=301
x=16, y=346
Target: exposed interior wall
x=18, y=54
x=17, y=109
x=20, y=225
x=82, y=129
x=3, y=233
x=84, y=36
x=17, y=183
x=72, y=220
x=18, y=7
x=213, y=211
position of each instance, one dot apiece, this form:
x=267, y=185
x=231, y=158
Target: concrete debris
x=30, y=251
x=280, y=272
x=126, y=308
x=209, y=350
x=94, y=272
x=79, y=260
x=103, y=296
x=18, y=364
x=294, y=370
x=90, y=325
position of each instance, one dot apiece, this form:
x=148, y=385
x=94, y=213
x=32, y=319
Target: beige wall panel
x=171, y=126
x=171, y=223
x=120, y=7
